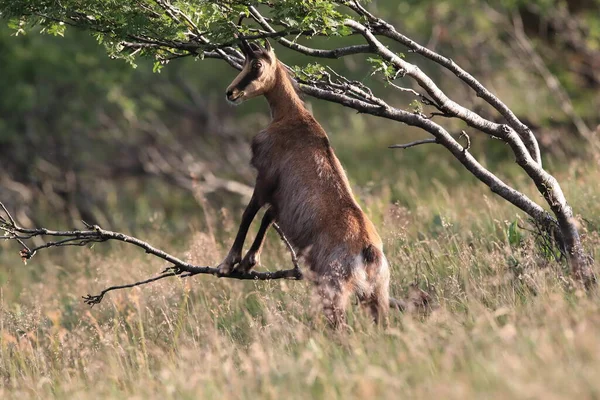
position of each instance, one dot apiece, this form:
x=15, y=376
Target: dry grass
x=509, y=323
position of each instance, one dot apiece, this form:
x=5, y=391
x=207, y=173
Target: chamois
x=307, y=193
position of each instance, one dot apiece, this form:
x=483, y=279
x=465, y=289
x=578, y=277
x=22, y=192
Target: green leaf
x=17, y=25
x=310, y=71
x=56, y=29
x=381, y=66
x=417, y=106
x=157, y=67
x=514, y=234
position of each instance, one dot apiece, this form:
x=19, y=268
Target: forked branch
x=95, y=234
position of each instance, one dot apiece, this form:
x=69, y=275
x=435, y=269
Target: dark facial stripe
x=248, y=78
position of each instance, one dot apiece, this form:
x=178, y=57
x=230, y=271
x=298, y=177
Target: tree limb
x=96, y=234
x=334, y=53
x=441, y=100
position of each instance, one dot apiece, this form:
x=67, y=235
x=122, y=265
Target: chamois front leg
x=235, y=253
x=252, y=257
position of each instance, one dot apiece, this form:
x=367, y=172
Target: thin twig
x=464, y=134
x=75, y=241
x=11, y=219
x=92, y=300
x=289, y=246
x=403, y=89
x=412, y=144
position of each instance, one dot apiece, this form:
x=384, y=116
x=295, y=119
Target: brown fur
x=304, y=184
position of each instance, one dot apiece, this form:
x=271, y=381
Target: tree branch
x=440, y=99
x=412, y=144
x=495, y=184
x=334, y=53
x=96, y=234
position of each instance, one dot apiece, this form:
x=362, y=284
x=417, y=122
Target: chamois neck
x=283, y=99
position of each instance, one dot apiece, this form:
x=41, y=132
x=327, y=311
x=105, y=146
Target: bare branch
x=412, y=144
x=403, y=89
x=27, y=253
x=10, y=218
x=334, y=53
x=92, y=300
x=440, y=99
x=293, y=274
x=289, y=246
x=96, y=234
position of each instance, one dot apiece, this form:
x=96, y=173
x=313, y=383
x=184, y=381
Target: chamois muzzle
x=233, y=95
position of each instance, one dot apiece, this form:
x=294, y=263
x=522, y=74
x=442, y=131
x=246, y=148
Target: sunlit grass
x=507, y=324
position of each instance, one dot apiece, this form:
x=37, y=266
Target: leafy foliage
x=161, y=24
x=310, y=71
x=381, y=66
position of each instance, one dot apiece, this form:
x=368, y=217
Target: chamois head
x=257, y=75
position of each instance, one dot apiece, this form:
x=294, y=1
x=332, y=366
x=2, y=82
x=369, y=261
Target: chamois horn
x=244, y=45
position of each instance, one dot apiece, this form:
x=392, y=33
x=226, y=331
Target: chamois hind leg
x=377, y=304
x=377, y=300
x=334, y=295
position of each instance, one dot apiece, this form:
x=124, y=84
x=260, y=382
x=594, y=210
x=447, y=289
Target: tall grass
x=508, y=323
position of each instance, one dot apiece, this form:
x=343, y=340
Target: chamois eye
x=257, y=65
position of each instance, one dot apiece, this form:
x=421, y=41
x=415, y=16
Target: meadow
x=506, y=320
